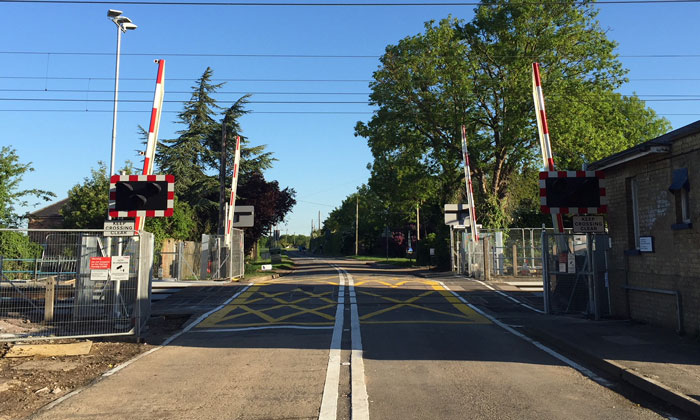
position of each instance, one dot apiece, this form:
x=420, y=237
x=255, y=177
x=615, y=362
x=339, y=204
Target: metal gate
x=73, y=283
x=211, y=259
x=575, y=273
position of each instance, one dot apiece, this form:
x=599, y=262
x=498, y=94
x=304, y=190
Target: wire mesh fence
x=68, y=283
x=575, y=274
x=215, y=257
x=515, y=252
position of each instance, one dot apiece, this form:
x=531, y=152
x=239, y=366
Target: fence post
x=180, y=251
x=545, y=272
x=452, y=250
x=515, y=260
x=590, y=237
x=49, y=298
x=487, y=258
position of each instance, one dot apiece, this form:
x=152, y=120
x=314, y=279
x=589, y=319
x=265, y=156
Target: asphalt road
x=339, y=340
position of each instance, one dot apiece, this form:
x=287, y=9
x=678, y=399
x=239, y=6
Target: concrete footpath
x=652, y=359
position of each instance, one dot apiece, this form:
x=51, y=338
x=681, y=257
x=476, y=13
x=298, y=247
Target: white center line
x=360, y=400
x=329, y=402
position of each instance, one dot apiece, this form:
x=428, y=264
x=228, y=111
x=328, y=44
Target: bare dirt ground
x=29, y=383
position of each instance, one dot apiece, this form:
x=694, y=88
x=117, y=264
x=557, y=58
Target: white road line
x=507, y=296
x=266, y=327
x=585, y=371
x=360, y=400
x=329, y=402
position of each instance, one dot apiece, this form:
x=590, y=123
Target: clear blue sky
x=317, y=152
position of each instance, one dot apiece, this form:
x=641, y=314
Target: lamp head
x=111, y=13
x=128, y=26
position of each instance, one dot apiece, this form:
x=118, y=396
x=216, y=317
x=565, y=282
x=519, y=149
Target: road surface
x=340, y=339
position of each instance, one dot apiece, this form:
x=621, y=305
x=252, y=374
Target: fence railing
x=73, y=283
x=515, y=252
x=575, y=275
x=215, y=257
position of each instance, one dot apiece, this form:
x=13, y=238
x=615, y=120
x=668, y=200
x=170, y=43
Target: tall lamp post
x=123, y=24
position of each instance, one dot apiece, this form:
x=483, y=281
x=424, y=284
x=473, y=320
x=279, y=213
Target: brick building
x=48, y=217
x=654, y=269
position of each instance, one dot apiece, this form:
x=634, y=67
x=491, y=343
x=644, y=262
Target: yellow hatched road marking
x=245, y=299
x=265, y=324
x=423, y=321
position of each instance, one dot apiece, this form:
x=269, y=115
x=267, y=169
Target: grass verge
x=399, y=262
x=254, y=268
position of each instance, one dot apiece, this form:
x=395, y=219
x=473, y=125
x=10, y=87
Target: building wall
x=675, y=264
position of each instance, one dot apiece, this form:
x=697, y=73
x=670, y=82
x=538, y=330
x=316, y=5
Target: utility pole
x=418, y=222
x=357, y=224
x=222, y=178
x=319, y=220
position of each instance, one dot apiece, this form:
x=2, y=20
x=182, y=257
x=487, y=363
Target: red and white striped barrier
x=170, y=179
x=547, y=209
x=153, y=128
x=234, y=185
x=543, y=129
x=470, y=189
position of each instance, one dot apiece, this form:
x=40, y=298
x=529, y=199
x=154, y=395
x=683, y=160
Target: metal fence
x=575, y=273
x=70, y=283
x=515, y=252
x=213, y=258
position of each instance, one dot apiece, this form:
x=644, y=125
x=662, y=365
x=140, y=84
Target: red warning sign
x=100, y=263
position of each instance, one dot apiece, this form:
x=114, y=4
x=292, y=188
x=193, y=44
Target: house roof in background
x=658, y=145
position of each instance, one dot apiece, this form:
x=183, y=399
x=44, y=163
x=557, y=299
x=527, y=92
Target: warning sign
x=589, y=224
x=120, y=268
x=100, y=263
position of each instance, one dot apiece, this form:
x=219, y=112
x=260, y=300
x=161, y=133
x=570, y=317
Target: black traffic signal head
x=141, y=195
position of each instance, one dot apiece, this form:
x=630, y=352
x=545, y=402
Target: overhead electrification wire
x=177, y=112
x=171, y=101
x=87, y=100
x=325, y=4
x=141, y=79
x=241, y=55
x=183, y=92
x=242, y=92
x=251, y=112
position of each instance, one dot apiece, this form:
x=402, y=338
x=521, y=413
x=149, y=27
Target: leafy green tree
x=88, y=202
x=478, y=74
x=271, y=205
x=196, y=153
x=11, y=196
x=16, y=244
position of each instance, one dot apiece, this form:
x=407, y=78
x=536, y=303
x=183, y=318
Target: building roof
x=660, y=144
x=52, y=210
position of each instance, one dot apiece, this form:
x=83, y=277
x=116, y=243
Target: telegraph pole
x=418, y=222
x=357, y=224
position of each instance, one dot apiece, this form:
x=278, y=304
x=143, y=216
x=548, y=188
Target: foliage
x=88, y=202
x=11, y=197
x=196, y=153
x=271, y=205
x=17, y=245
x=294, y=241
x=478, y=74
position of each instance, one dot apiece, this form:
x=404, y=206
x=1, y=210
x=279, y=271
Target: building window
x=632, y=188
x=680, y=187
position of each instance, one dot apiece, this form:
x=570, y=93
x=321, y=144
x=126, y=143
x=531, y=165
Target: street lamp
x=123, y=24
